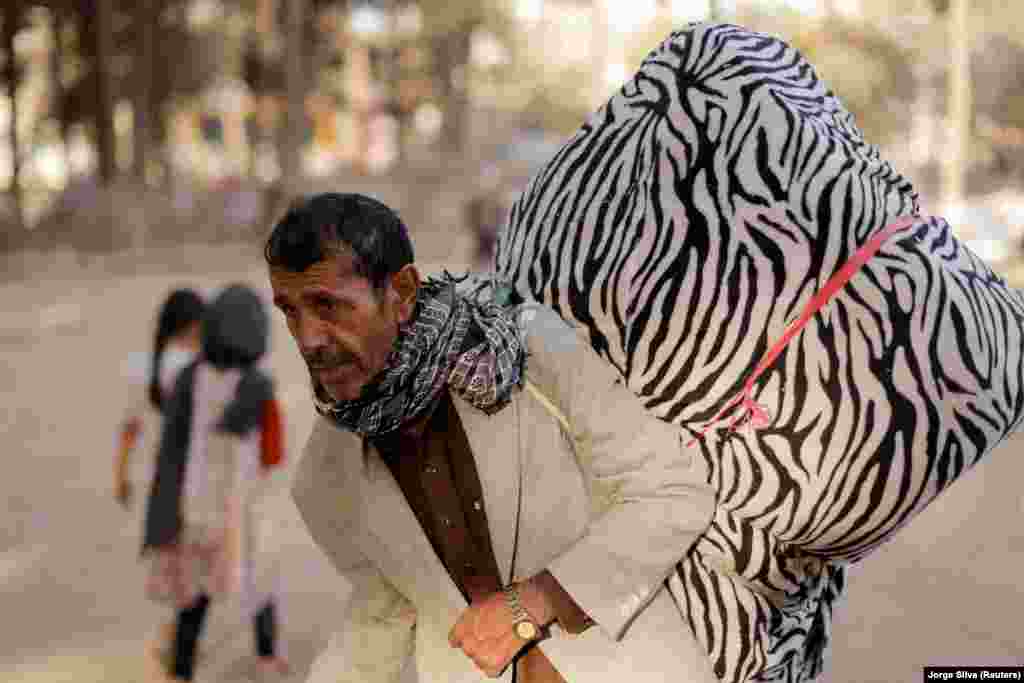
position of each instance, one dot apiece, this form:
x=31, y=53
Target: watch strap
x=515, y=605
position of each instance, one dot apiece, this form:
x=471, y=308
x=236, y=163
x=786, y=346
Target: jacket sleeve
x=375, y=638
x=650, y=496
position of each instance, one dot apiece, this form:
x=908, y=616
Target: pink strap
x=755, y=412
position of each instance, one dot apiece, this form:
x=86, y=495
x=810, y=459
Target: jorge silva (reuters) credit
x=973, y=673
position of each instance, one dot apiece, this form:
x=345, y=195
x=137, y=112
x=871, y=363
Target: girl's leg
x=190, y=626
x=163, y=640
x=167, y=632
x=266, y=630
x=265, y=625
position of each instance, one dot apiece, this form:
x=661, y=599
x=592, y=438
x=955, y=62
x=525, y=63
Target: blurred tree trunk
x=405, y=110
x=357, y=88
x=12, y=14
x=292, y=133
x=147, y=16
x=174, y=18
x=959, y=102
x=451, y=61
x=98, y=20
x=255, y=64
x=393, y=79
x=58, y=16
x=258, y=56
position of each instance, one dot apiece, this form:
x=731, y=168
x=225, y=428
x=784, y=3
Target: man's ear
x=405, y=284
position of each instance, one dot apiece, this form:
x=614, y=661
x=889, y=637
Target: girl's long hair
x=182, y=308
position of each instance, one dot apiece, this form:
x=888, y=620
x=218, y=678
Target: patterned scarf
x=468, y=342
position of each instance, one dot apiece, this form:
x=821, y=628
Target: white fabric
x=224, y=488
x=608, y=506
x=136, y=371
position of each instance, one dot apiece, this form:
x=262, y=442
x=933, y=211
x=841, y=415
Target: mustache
x=325, y=359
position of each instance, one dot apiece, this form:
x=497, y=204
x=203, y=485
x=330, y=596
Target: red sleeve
x=272, y=435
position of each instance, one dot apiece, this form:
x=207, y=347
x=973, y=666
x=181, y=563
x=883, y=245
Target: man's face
x=344, y=328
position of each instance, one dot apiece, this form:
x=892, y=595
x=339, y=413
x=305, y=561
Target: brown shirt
x=438, y=476
x=437, y=473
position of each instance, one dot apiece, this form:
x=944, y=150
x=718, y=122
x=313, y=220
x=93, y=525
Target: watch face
x=526, y=630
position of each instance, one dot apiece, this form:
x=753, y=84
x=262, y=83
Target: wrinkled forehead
x=336, y=274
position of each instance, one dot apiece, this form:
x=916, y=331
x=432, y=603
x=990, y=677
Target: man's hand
x=485, y=631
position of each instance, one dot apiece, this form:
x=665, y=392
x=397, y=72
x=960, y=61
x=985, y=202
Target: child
x=175, y=346
x=221, y=436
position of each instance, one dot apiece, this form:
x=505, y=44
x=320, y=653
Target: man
x=499, y=503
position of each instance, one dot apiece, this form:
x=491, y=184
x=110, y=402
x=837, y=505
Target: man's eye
x=323, y=303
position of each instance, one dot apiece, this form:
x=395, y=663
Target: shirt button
x=430, y=469
x=447, y=522
x=477, y=505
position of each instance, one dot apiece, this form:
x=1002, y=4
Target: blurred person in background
x=175, y=345
x=497, y=501
x=484, y=213
x=206, y=533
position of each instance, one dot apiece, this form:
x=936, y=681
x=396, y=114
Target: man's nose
x=310, y=334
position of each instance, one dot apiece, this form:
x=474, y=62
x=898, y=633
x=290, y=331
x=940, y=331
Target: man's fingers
x=490, y=654
x=494, y=669
x=458, y=633
x=454, y=637
x=492, y=658
x=488, y=665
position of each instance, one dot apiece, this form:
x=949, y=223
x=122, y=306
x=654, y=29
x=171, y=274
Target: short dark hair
x=236, y=328
x=315, y=228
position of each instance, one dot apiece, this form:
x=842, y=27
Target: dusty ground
x=947, y=591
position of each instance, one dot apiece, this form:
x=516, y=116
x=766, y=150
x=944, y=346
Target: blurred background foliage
x=130, y=124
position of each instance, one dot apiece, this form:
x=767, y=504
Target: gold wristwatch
x=524, y=626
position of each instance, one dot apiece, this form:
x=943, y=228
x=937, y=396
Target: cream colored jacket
x=577, y=478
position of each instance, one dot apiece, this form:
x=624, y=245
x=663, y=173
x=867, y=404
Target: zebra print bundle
x=681, y=229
